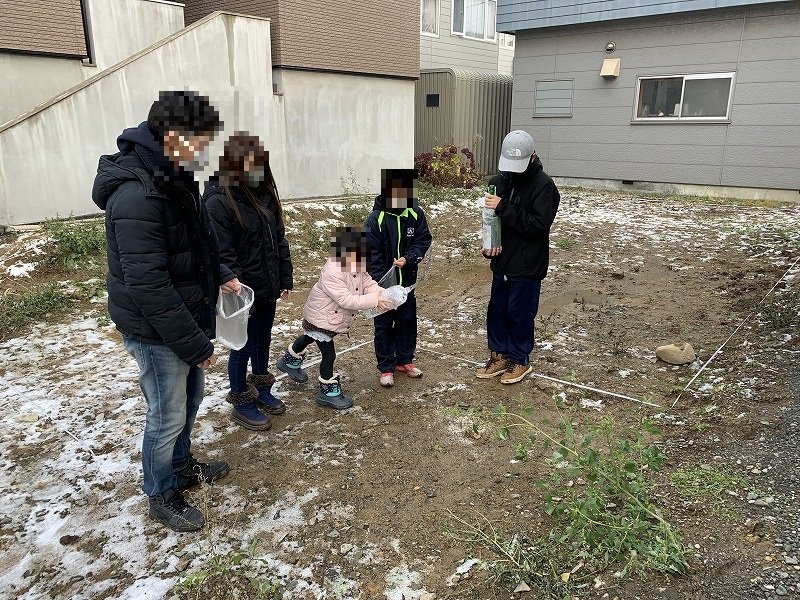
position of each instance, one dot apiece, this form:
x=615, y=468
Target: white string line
x=317, y=361
x=730, y=337
x=561, y=381
x=58, y=427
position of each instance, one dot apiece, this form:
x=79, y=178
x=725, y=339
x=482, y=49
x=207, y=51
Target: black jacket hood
x=140, y=158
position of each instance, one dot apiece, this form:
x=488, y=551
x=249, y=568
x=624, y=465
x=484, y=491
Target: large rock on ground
x=676, y=354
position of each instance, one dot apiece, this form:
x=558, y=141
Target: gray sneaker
x=170, y=509
x=330, y=394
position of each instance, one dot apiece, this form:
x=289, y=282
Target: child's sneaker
x=330, y=394
x=386, y=379
x=496, y=365
x=291, y=363
x=266, y=401
x=410, y=370
x=515, y=372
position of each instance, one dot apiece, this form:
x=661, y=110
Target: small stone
x=333, y=534
x=27, y=418
x=618, y=275
x=522, y=587
x=183, y=564
x=68, y=540
x=345, y=549
x=427, y=596
x=751, y=496
x=791, y=560
x=676, y=354
x=781, y=591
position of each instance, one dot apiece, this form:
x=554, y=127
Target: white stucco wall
x=317, y=127
x=119, y=28
x=35, y=80
x=49, y=159
x=336, y=122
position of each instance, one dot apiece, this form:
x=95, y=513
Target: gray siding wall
x=515, y=15
x=760, y=147
x=453, y=51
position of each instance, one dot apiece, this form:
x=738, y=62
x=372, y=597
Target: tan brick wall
x=346, y=35
x=49, y=26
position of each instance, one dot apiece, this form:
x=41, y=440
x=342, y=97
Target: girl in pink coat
x=343, y=289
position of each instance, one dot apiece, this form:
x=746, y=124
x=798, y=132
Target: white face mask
x=200, y=159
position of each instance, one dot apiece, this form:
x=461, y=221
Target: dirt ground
x=360, y=504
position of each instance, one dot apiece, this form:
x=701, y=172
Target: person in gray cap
x=526, y=202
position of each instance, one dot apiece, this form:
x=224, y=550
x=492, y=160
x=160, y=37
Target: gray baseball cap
x=517, y=151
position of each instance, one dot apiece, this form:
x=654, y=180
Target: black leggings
x=326, y=349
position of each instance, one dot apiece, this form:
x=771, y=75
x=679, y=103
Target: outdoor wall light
x=610, y=47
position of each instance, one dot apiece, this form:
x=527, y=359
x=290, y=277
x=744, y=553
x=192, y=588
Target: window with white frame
x=475, y=19
x=705, y=97
x=429, y=17
x=506, y=40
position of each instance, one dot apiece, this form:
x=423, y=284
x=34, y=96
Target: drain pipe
x=86, y=17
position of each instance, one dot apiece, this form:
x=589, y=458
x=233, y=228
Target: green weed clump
x=230, y=575
x=355, y=213
x=782, y=311
x=75, y=243
x=602, y=516
x=566, y=243
x=711, y=483
x=17, y=311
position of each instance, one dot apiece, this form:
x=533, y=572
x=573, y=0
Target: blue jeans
x=510, y=319
x=255, y=351
x=173, y=391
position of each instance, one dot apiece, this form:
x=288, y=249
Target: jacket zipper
x=399, y=270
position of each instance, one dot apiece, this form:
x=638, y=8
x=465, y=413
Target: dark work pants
x=396, y=336
x=511, y=315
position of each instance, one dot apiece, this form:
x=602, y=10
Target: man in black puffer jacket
x=526, y=203
x=164, y=276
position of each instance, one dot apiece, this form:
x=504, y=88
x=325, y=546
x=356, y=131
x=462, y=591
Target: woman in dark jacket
x=245, y=209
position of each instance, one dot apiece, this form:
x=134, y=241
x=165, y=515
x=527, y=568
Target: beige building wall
x=51, y=26
x=352, y=36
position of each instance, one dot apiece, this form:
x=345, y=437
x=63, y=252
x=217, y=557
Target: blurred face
x=401, y=195
x=187, y=150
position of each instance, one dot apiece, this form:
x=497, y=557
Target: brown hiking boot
x=515, y=373
x=496, y=365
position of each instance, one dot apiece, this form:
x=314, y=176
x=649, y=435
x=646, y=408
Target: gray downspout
x=87, y=33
